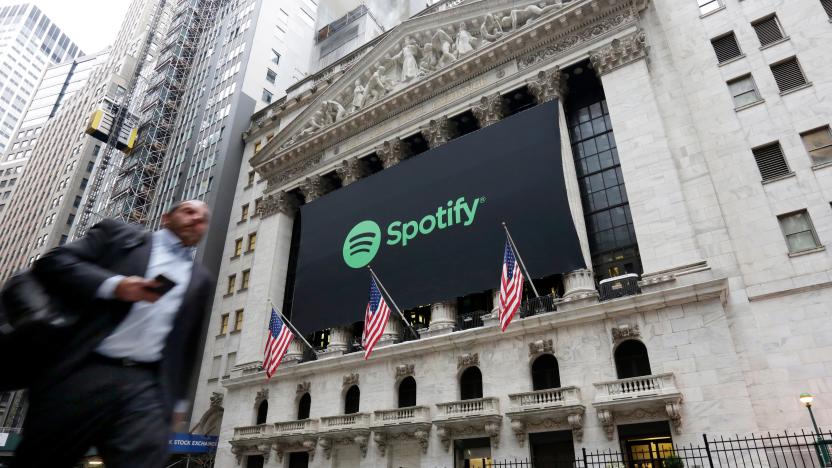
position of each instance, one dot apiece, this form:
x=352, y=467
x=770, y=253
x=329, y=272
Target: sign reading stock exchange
x=431, y=226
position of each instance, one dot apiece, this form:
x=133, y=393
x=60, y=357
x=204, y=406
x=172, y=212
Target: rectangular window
x=270, y=75
x=84, y=183
x=818, y=143
x=70, y=219
x=827, y=6
x=224, y=324
x=257, y=202
x=77, y=202
x=215, y=367
x=744, y=91
x=244, y=280
x=238, y=247
x=788, y=74
x=275, y=57
x=250, y=179
x=770, y=161
x=252, y=241
x=726, y=47
x=768, y=30
x=244, y=212
x=232, y=280
x=799, y=232
x=230, y=363
x=238, y=320
x=90, y=165
x=267, y=96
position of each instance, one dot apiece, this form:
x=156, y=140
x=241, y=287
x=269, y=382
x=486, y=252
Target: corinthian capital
x=548, y=85
x=619, y=52
x=438, y=131
x=278, y=202
x=391, y=152
x=351, y=170
x=490, y=109
x=314, y=187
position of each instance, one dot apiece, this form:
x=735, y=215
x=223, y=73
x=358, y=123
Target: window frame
x=239, y=314
x=811, y=229
x=754, y=88
x=252, y=242
x=238, y=247
x=232, y=284
x=245, y=278
x=809, y=151
x=224, y=318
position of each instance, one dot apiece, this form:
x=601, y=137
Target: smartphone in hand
x=165, y=285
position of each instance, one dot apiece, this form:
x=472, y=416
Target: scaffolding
x=137, y=173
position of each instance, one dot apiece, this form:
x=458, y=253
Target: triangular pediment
x=414, y=51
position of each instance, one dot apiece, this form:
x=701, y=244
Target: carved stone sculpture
x=357, y=97
x=491, y=30
x=333, y=111
x=443, y=45
x=539, y=347
x=391, y=152
x=490, y=109
x=404, y=370
x=619, y=52
x=350, y=380
x=548, y=85
x=625, y=332
x=464, y=41
x=468, y=360
x=351, y=170
x=438, y=131
x=407, y=57
x=429, y=62
x=377, y=85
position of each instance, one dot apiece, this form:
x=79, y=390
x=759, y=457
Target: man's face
x=189, y=222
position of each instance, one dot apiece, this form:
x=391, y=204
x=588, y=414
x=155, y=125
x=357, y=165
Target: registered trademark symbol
x=482, y=199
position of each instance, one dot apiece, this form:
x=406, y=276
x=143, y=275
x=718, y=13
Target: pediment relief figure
x=397, y=62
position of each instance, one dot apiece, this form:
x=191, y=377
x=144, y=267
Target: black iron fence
x=783, y=450
x=537, y=305
x=469, y=320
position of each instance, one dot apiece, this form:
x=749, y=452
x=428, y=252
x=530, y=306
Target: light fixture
x=806, y=399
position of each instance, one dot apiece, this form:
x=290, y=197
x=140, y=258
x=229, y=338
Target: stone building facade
x=715, y=125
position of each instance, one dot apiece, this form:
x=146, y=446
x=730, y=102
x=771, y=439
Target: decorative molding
x=445, y=436
x=307, y=445
x=536, y=348
x=674, y=413
x=548, y=85
x=404, y=370
x=619, y=52
x=490, y=110
x=576, y=422
x=586, y=35
x=625, y=332
x=262, y=395
x=468, y=360
x=391, y=152
x=519, y=429
x=492, y=428
x=438, y=131
x=423, y=438
x=303, y=387
x=350, y=380
x=291, y=171
x=605, y=417
x=278, y=202
x=380, y=438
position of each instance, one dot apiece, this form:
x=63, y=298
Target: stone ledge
x=696, y=292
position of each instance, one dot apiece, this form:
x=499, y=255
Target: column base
x=437, y=329
x=492, y=319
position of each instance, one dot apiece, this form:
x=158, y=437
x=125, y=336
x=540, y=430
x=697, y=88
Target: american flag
x=276, y=345
x=511, y=287
x=375, y=318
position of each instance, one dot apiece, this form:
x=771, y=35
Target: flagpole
x=407, y=324
x=519, y=259
x=287, y=322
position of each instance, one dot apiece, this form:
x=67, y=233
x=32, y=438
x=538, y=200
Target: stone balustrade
x=468, y=408
x=412, y=414
x=346, y=421
x=259, y=431
x=636, y=387
x=296, y=427
x=548, y=398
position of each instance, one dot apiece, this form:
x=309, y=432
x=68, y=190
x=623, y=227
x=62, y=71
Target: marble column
x=493, y=318
x=269, y=265
x=442, y=318
x=340, y=341
x=438, y=131
x=391, y=152
x=665, y=232
x=490, y=110
x=294, y=354
x=550, y=85
x=350, y=170
x=392, y=330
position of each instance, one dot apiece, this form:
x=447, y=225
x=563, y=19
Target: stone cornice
x=716, y=289
x=312, y=132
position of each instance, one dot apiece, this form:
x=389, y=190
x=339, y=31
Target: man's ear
x=165, y=219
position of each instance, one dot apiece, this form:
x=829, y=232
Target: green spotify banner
x=431, y=226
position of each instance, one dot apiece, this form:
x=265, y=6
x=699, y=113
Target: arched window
x=631, y=359
x=545, y=373
x=303, y=406
x=407, y=392
x=262, y=412
x=470, y=384
x=351, y=400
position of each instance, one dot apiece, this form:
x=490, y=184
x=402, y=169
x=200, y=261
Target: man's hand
x=135, y=289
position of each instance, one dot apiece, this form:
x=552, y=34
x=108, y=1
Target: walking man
x=121, y=378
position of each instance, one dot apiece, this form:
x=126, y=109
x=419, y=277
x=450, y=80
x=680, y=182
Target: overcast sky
x=92, y=24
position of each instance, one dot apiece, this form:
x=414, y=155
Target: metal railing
x=469, y=320
x=537, y=305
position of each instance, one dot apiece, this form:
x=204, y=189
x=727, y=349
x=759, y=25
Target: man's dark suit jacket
x=74, y=272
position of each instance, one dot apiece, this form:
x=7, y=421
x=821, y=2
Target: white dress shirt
x=142, y=334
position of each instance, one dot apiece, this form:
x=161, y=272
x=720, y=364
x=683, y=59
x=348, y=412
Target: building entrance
x=472, y=453
x=552, y=449
x=646, y=445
